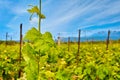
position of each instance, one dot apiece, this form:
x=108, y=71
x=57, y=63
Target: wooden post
x=78, y=47
x=6, y=37
x=58, y=39
x=92, y=40
x=11, y=38
x=20, y=49
x=85, y=37
x=77, y=56
x=108, y=38
x=68, y=43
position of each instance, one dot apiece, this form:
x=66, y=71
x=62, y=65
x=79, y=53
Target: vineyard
x=42, y=59
x=94, y=54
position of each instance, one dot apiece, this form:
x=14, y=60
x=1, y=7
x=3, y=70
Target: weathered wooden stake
x=20, y=49
x=92, y=40
x=11, y=38
x=78, y=47
x=6, y=37
x=68, y=43
x=108, y=38
x=58, y=39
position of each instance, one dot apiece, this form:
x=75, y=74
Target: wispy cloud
x=111, y=10
x=87, y=13
x=71, y=12
x=19, y=10
x=65, y=15
x=34, y=21
x=5, y=4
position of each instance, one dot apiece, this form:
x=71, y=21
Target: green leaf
x=34, y=9
x=43, y=16
x=49, y=74
x=32, y=35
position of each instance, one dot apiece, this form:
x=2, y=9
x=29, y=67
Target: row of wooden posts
x=20, y=51
x=78, y=52
x=79, y=38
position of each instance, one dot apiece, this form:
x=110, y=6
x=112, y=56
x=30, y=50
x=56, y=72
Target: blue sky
x=62, y=16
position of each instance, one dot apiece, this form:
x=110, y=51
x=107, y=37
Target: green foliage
x=36, y=10
x=40, y=44
x=44, y=43
x=29, y=55
x=57, y=63
x=32, y=35
x=9, y=64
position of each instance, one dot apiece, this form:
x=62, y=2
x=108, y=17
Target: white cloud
x=5, y=4
x=69, y=13
x=19, y=10
x=47, y=2
x=34, y=21
x=105, y=13
x=103, y=10
x=60, y=15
